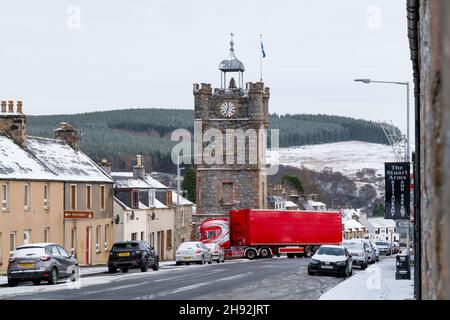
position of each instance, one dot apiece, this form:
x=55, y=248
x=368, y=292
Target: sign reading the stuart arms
x=397, y=191
x=78, y=214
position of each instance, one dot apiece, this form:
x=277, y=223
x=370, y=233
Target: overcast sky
x=79, y=56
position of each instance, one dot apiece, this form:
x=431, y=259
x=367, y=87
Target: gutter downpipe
x=413, y=21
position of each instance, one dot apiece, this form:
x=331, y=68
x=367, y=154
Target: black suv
x=132, y=254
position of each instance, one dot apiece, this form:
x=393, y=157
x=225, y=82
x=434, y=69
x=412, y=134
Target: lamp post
x=407, y=153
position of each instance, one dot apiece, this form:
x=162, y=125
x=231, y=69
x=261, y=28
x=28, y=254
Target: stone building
x=429, y=36
x=235, y=178
x=51, y=192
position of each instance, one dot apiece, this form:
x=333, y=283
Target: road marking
x=194, y=286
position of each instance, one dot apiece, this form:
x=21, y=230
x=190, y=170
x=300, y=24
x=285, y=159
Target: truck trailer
x=263, y=233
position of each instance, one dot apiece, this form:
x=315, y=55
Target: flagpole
x=260, y=59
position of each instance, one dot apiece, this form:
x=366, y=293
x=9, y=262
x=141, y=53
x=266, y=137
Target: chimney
x=13, y=123
x=69, y=134
x=105, y=165
x=11, y=106
x=139, y=169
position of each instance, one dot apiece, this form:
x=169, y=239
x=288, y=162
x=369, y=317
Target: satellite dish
x=117, y=219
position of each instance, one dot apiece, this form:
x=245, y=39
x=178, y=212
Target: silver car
x=41, y=261
x=359, y=251
x=194, y=251
x=217, y=252
x=372, y=251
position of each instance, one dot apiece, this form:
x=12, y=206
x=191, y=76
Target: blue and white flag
x=262, y=49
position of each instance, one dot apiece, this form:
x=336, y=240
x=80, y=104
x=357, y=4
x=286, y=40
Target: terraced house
x=51, y=192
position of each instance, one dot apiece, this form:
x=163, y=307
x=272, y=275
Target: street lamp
x=368, y=81
x=407, y=155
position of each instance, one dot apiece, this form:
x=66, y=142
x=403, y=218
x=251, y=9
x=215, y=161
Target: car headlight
x=314, y=261
x=341, y=263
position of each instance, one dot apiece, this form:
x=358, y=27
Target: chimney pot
x=11, y=106
x=3, y=106
x=19, y=107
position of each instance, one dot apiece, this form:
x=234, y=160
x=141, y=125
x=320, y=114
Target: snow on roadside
x=375, y=283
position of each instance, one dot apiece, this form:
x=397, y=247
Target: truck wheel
x=264, y=253
x=290, y=255
x=299, y=255
x=308, y=252
x=250, y=254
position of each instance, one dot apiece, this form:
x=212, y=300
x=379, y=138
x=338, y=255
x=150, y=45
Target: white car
x=217, y=252
x=194, y=251
x=331, y=259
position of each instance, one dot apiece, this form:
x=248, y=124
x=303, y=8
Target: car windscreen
x=125, y=246
x=353, y=245
x=29, y=252
x=331, y=251
x=188, y=246
x=381, y=244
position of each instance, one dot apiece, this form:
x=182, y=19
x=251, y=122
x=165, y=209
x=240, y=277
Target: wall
x=36, y=219
x=434, y=56
x=164, y=221
x=98, y=255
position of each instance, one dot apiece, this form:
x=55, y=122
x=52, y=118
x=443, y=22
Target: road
x=276, y=278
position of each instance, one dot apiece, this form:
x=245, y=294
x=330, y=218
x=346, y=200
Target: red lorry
x=263, y=233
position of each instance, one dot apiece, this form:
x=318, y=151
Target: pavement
x=276, y=278
x=377, y=282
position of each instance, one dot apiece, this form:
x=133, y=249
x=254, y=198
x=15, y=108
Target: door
x=66, y=262
x=88, y=245
x=161, y=244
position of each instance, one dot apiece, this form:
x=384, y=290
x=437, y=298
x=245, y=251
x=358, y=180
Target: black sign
x=397, y=192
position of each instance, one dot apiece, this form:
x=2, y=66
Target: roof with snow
x=381, y=223
x=290, y=204
x=352, y=224
x=46, y=159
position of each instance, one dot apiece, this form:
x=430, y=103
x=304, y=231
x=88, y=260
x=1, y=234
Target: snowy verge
x=377, y=282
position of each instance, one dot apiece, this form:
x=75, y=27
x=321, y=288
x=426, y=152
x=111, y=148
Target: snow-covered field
x=346, y=157
x=375, y=283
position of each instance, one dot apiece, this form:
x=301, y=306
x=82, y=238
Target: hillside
x=121, y=134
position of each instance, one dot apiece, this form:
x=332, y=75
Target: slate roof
x=47, y=159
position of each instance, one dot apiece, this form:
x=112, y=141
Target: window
x=63, y=252
x=151, y=198
x=169, y=239
x=46, y=203
x=106, y=236
x=135, y=199
x=227, y=192
x=73, y=197
x=26, y=196
x=27, y=237
x=46, y=234
x=377, y=231
x=151, y=238
x=88, y=197
x=5, y=191
x=97, y=238
x=169, y=199
x=73, y=241
x=102, y=198
x=12, y=241
x=142, y=236
x=134, y=236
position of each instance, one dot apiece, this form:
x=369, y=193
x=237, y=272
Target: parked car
x=384, y=247
x=194, y=251
x=377, y=252
x=132, y=254
x=359, y=252
x=41, y=262
x=216, y=251
x=395, y=247
x=331, y=259
x=372, y=251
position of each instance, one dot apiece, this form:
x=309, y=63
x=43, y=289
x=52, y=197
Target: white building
x=382, y=229
x=317, y=205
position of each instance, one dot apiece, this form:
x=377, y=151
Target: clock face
x=227, y=109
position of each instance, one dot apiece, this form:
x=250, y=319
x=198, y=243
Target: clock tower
x=237, y=118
